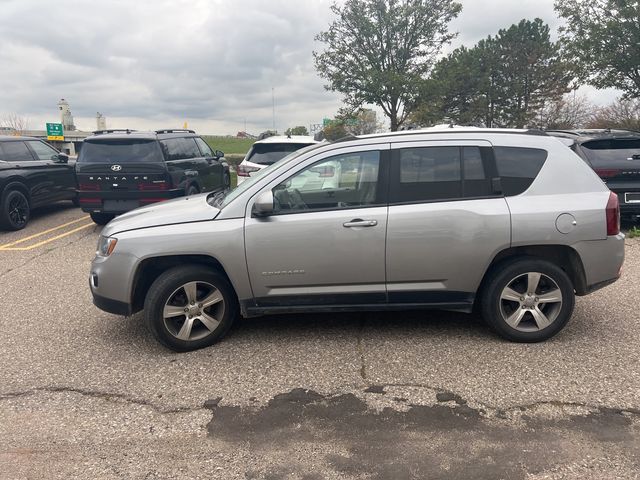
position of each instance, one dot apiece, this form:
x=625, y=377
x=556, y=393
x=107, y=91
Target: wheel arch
x=150, y=268
x=17, y=184
x=564, y=256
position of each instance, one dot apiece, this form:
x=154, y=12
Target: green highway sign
x=55, y=131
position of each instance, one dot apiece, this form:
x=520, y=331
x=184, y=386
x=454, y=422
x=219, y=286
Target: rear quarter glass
x=518, y=167
x=120, y=151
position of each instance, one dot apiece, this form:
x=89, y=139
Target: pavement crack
x=108, y=396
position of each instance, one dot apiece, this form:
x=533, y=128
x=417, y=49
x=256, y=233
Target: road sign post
x=55, y=132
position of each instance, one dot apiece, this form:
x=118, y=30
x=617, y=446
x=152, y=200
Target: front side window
x=339, y=182
x=204, y=148
x=42, y=150
x=15, y=152
x=179, y=148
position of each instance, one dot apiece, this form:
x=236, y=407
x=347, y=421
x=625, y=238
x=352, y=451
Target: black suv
x=119, y=170
x=615, y=157
x=32, y=174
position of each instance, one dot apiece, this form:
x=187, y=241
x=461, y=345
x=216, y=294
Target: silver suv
x=510, y=222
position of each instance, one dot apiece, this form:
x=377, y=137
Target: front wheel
x=190, y=307
x=15, y=211
x=528, y=300
x=101, y=218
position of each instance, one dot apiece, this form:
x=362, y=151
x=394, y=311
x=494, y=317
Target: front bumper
x=112, y=306
x=110, y=282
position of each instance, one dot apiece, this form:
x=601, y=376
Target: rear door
x=445, y=221
x=184, y=162
x=215, y=172
x=323, y=246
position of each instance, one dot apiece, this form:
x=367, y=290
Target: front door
x=325, y=242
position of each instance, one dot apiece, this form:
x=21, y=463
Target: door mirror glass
x=263, y=205
x=219, y=154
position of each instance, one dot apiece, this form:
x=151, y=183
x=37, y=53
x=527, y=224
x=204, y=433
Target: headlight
x=106, y=246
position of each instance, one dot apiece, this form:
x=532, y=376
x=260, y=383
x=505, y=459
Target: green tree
x=602, y=39
x=378, y=51
x=299, y=130
x=334, y=131
x=503, y=81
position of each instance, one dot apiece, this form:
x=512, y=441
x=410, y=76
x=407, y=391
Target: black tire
x=168, y=286
x=192, y=190
x=101, y=218
x=15, y=210
x=76, y=201
x=495, y=310
x=226, y=180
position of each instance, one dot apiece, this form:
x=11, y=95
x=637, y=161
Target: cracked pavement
x=85, y=394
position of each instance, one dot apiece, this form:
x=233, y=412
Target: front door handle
x=358, y=222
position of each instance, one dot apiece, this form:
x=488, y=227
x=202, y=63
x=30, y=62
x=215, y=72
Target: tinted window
x=476, y=182
x=268, y=153
x=343, y=181
x=180, y=148
x=42, y=150
x=429, y=173
x=204, y=148
x=120, y=151
x=518, y=167
x=611, y=150
x=15, y=152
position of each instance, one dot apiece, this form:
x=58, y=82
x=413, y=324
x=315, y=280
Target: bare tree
x=16, y=123
x=620, y=114
x=571, y=111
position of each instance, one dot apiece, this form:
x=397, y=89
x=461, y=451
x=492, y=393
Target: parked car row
x=510, y=223
x=116, y=171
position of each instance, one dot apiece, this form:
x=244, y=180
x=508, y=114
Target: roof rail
x=113, y=130
x=175, y=130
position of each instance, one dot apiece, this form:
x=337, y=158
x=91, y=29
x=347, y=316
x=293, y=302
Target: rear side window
x=611, y=150
x=518, y=167
x=120, y=151
x=270, y=153
x=15, y=152
x=180, y=148
x=438, y=173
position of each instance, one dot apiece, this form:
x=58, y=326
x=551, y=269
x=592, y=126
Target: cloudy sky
x=212, y=63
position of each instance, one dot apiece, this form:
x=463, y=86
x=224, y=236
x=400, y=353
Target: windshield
x=221, y=201
x=611, y=150
x=269, y=153
x=120, y=151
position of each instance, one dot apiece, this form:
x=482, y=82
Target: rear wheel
x=190, y=307
x=101, y=218
x=528, y=300
x=15, y=211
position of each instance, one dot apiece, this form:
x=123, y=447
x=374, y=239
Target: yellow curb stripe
x=43, y=233
x=44, y=242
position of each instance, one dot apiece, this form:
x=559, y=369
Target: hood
x=180, y=210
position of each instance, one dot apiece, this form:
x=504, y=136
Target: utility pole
x=273, y=102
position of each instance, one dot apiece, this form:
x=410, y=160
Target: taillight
x=153, y=187
x=607, y=172
x=89, y=187
x=613, y=215
x=245, y=170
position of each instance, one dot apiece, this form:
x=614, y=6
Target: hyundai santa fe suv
x=510, y=223
x=120, y=170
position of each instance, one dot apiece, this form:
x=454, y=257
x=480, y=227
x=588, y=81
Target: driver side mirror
x=61, y=158
x=218, y=154
x=263, y=205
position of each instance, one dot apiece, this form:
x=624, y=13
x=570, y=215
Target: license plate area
x=119, y=205
x=632, y=197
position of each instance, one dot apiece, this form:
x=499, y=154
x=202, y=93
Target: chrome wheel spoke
x=554, y=296
x=191, y=291
x=209, y=322
x=511, y=295
x=533, y=279
x=173, y=311
x=214, y=297
x=185, y=330
x=516, y=317
x=540, y=318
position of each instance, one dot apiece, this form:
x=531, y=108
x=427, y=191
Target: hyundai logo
x=116, y=168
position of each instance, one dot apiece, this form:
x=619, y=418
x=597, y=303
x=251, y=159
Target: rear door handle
x=358, y=222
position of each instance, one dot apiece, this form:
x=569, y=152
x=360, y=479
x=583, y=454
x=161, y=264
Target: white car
x=268, y=151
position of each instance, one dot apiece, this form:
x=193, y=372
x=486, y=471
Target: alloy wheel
x=18, y=210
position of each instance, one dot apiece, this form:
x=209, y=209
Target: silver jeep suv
x=510, y=222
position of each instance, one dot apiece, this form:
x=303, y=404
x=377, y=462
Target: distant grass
x=634, y=232
x=230, y=145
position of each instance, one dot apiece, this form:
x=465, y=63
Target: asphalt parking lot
x=85, y=394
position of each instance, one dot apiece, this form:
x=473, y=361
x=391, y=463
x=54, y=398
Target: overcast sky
x=212, y=63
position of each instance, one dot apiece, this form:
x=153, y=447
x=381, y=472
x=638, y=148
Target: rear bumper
x=628, y=200
x=602, y=261
x=100, y=201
